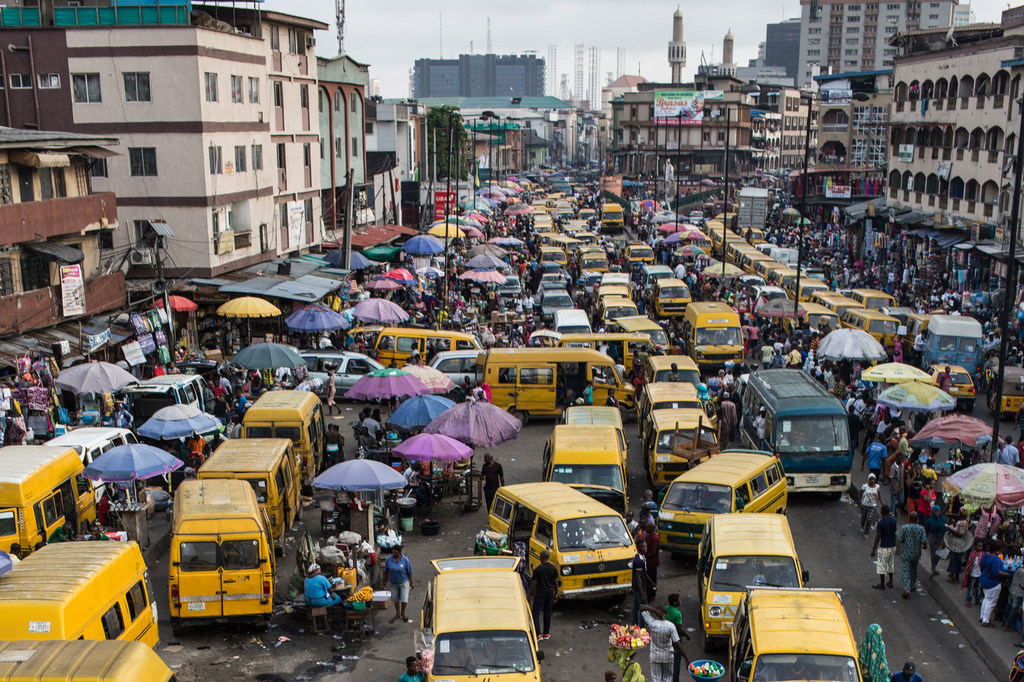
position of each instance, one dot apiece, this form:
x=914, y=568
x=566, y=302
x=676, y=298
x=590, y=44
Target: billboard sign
x=838, y=192
x=441, y=200
x=685, y=105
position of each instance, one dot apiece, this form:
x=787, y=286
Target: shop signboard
x=612, y=183
x=93, y=342
x=838, y=192
x=72, y=289
x=296, y=223
x=687, y=106
x=442, y=200
x=905, y=154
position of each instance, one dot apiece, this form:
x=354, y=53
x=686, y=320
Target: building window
x=136, y=87
x=337, y=148
x=355, y=147
x=85, y=87
x=853, y=29
x=106, y=240
x=236, y=89
x=98, y=168
x=211, y=87
x=353, y=102
x=275, y=38
x=278, y=94
x=254, y=90
x=49, y=81
x=293, y=41
x=21, y=81
x=35, y=272
x=282, y=162
x=307, y=161
x=304, y=96
x=240, y=158
x=215, y=220
x=890, y=29
x=257, y=157
x=216, y=160
x=51, y=183
x=307, y=210
x=142, y=161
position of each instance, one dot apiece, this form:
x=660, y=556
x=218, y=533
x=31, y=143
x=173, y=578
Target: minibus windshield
x=698, y=497
x=720, y=336
x=607, y=475
x=592, y=532
x=817, y=433
x=736, y=573
x=675, y=292
x=805, y=667
x=667, y=440
x=230, y=555
x=489, y=652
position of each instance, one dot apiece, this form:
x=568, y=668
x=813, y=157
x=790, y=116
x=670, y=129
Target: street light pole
x=803, y=211
x=679, y=160
x=447, y=213
x=725, y=204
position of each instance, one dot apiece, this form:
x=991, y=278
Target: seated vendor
x=318, y=590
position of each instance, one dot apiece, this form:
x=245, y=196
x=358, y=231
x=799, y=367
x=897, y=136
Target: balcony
x=34, y=220
x=834, y=128
x=41, y=308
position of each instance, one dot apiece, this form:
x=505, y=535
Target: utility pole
x=725, y=203
x=349, y=218
x=447, y=213
x=803, y=211
x=161, y=284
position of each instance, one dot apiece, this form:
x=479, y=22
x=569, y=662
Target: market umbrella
x=423, y=245
x=268, y=356
x=983, y=484
x=648, y=206
x=519, y=209
x=487, y=250
x=316, y=318
x=485, y=261
x=479, y=217
x=178, y=421
x=359, y=475
x=385, y=384
x=506, y=241
x=484, y=276
x=93, y=378
x=379, y=311
x=434, y=379
x=446, y=230
x=851, y=344
x=179, y=304
x=669, y=228
x=399, y=274
x=248, y=306
x=428, y=272
x=382, y=284
x=476, y=423
x=707, y=182
x=714, y=269
x=914, y=396
x=131, y=462
x=791, y=213
x=778, y=308
x=472, y=232
x=416, y=412
x=666, y=217
x=894, y=373
x=6, y=565
x=952, y=429
x=357, y=261
x=433, y=447
x=690, y=251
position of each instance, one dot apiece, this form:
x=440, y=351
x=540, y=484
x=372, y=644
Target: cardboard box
x=382, y=600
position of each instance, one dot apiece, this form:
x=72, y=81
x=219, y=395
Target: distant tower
x=551, y=71
x=620, y=61
x=563, y=89
x=577, y=81
x=677, y=48
x=490, y=45
x=339, y=16
x=594, y=92
x=728, y=65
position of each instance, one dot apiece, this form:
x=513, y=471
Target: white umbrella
x=93, y=378
x=851, y=344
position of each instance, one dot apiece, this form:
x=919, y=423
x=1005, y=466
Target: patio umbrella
x=357, y=261
x=385, y=384
x=983, y=484
x=446, y=230
x=433, y=379
x=648, y=206
x=519, y=209
x=690, y=251
x=791, y=213
x=953, y=429
x=379, y=311
x=428, y=272
x=914, y=396
x=433, y=447
x=778, y=308
x=479, y=217
x=382, y=284
x=894, y=373
x=316, y=318
x=399, y=274
x=669, y=228
x=472, y=232
x=93, y=378
x=485, y=261
x=268, y=356
x=852, y=344
x=416, y=412
x=131, y=462
x=715, y=270
x=484, y=276
x=487, y=250
x=6, y=565
x=179, y=304
x=423, y=245
x=476, y=423
x=178, y=421
x=506, y=241
x=248, y=306
x=359, y=475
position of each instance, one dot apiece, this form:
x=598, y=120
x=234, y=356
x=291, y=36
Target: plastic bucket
x=407, y=507
x=406, y=522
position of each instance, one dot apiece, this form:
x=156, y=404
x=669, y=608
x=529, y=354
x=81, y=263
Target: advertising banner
x=838, y=191
x=296, y=224
x=905, y=153
x=442, y=199
x=72, y=288
x=685, y=105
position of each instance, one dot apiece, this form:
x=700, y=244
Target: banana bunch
x=365, y=594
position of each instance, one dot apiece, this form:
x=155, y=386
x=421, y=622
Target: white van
x=784, y=255
x=92, y=441
x=171, y=389
x=572, y=322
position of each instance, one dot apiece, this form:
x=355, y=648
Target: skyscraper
x=480, y=75
x=782, y=46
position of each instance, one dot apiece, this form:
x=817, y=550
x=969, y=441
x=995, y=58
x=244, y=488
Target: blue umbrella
x=316, y=318
x=5, y=563
x=423, y=245
x=418, y=411
x=360, y=474
x=131, y=462
x=178, y=421
x=357, y=261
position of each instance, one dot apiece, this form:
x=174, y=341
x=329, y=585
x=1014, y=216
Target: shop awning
x=859, y=211
x=913, y=218
x=919, y=232
x=946, y=241
x=57, y=253
x=95, y=152
x=40, y=159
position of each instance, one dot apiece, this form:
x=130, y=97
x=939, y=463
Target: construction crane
x=339, y=12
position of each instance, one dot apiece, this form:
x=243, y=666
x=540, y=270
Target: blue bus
x=804, y=425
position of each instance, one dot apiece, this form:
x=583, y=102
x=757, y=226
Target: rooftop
x=626, y=81
x=19, y=138
x=545, y=102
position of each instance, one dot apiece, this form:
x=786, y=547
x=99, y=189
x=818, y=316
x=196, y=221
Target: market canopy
x=247, y=307
x=382, y=253
x=93, y=378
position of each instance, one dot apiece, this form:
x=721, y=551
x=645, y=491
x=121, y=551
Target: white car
x=348, y=367
x=457, y=365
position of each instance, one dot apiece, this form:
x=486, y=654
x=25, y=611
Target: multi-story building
x=791, y=108
x=851, y=35
x=56, y=260
x=395, y=127
x=766, y=139
x=342, y=84
x=782, y=46
x=480, y=75
x=213, y=114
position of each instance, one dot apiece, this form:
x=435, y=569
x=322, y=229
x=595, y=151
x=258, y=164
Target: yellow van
x=222, y=564
x=396, y=344
x=81, y=661
x=553, y=254
x=612, y=307
x=79, y=590
x=638, y=253
x=589, y=542
x=41, y=488
x=674, y=441
x=792, y=634
x=669, y=297
x=882, y=327
x=917, y=323
x=733, y=481
x=611, y=218
x=641, y=324
x=815, y=315
x=612, y=291
x=670, y=395
x=837, y=303
x=597, y=415
x=589, y=459
x=809, y=286
x=783, y=276
x=621, y=346
x=295, y=415
x=593, y=260
x=873, y=299
x=477, y=620
x=737, y=550
x=712, y=335
x=530, y=381
x=268, y=465
x=659, y=368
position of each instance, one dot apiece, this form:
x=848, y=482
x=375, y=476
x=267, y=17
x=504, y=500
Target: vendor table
x=134, y=520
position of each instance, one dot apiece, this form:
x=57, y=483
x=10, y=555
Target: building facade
x=782, y=46
x=341, y=108
x=480, y=75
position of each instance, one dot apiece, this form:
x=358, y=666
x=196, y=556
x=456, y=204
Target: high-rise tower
x=677, y=48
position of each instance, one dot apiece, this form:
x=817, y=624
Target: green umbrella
x=382, y=253
x=268, y=356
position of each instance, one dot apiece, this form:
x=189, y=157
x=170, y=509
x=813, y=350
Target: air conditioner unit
x=141, y=258
x=310, y=41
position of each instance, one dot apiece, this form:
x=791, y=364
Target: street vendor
x=318, y=590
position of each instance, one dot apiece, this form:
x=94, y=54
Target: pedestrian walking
x=544, y=587
x=675, y=616
x=871, y=656
x=991, y=586
x=332, y=391
x=653, y=554
x=664, y=642
x=643, y=588
x=494, y=478
x=912, y=536
x=869, y=498
x=885, y=548
x=412, y=671
x=935, y=531
x=972, y=573
x=1014, y=598
x=398, y=575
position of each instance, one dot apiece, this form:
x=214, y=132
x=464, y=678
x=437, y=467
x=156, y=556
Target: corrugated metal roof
x=253, y=285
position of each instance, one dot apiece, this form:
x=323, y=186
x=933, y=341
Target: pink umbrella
x=669, y=228
x=433, y=379
x=471, y=231
x=479, y=217
x=433, y=446
x=379, y=311
x=476, y=423
x=484, y=276
x=519, y=209
x=399, y=274
x=382, y=284
x=386, y=384
x=952, y=429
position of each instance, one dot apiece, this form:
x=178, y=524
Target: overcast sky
x=390, y=35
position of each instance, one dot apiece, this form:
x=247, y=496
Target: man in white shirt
x=680, y=271
x=664, y=640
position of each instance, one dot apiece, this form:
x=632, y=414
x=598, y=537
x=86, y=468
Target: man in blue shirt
x=875, y=456
x=991, y=572
x=908, y=674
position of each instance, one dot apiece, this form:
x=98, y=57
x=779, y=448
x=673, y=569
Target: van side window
x=406, y=344
x=8, y=523
x=198, y=556
x=279, y=480
x=462, y=344
x=743, y=493
x=502, y=508
x=536, y=375
x=53, y=509
x=190, y=393
x=506, y=375
x=82, y=486
x=772, y=474
x=113, y=622
x=543, y=533
x=136, y=601
x=386, y=342
x=758, y=485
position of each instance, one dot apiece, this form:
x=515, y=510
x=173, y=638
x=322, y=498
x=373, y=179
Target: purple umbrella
x=380, y=311
x=476, y=423
x=385, y=384
x=433, y=446
x=131, y=462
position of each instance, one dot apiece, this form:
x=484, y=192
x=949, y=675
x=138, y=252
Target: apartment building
x=342, y=126
x=851, y=35
x=212, y=107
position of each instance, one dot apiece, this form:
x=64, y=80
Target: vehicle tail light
x=174, y=593
x=266, y=589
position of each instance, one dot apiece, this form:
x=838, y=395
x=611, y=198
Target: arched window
x=901, y=92
x=966, y=86
x=894, y=179
x=947, y=138
x=954, y=87
x=932, y=187
x=972, y=190
x=935, y=139
x=989, y=192
x=956, y=188
x=907, y=181
x=922, y=137
x=339, y=99
x=962, y=138
x=927, y=89
x=977, y=135
x=919, y=182
x=994, y=139
x=981, y=86
x=941, y=88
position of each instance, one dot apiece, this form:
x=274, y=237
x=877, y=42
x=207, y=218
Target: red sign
x=442, y=200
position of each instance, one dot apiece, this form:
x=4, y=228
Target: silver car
x=457, y=365
x=348, y=367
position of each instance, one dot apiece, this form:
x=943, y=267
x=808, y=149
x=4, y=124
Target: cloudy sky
x=390, y=35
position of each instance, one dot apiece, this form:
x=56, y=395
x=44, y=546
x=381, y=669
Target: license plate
x=812, y=480
x=196, y=606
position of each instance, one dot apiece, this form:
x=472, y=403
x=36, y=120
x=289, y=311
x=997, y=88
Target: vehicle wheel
x=176, y=627
x=970, y=407
x=522, y=416
x=705, y=643
x=836, y=494
x=279, y=548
